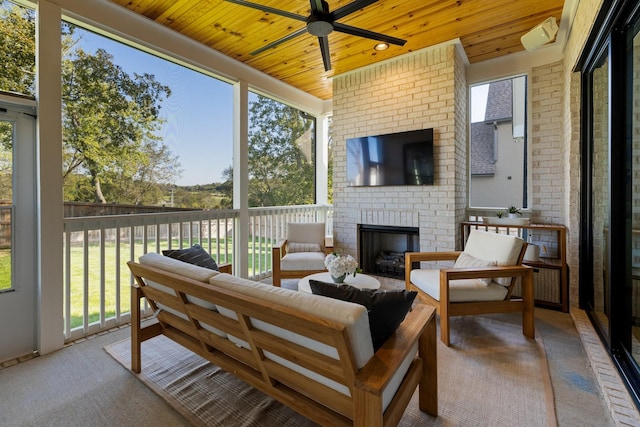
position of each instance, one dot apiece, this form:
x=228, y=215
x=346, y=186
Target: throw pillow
x=386, y=309
x=194, y=255
x=468, y=261
x=303, y=247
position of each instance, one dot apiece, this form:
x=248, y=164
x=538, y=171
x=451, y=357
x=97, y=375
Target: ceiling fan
x=321, y=23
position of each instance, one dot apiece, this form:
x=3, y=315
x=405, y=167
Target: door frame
x=18, y=307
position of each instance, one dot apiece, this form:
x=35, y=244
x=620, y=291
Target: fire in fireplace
x=382, y=248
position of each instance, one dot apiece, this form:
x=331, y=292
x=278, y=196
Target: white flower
x=338, y=264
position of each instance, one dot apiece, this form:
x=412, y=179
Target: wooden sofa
x=311, y=353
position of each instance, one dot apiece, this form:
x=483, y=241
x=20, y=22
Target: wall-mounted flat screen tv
x=404, y=158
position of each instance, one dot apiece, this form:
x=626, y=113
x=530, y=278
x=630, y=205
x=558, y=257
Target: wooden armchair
x=301, y=253
x=480, y=282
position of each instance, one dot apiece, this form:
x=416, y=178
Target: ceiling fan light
x=381, y=46
x=319, y=28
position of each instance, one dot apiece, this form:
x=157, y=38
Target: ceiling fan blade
x=348, y=29
x=316, y=7
x=350, y=8
x=324, y=48
x=268, y=9
x=282, y=40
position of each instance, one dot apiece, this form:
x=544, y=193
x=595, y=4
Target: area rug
x=490, y=376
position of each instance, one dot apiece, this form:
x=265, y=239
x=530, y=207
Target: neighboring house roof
x=499, y=109
x=482, y=135
x=499, y=101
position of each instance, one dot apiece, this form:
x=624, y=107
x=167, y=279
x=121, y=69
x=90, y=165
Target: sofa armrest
x=419, y=326
x=227, y=267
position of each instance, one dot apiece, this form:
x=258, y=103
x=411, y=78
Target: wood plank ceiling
x=486, y=28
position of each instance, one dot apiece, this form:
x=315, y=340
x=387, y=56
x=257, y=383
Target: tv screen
x=404, y=158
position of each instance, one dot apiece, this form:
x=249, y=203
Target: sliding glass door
x=634, y=130
x=610, y=209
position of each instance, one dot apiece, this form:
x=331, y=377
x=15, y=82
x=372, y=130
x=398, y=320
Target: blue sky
x=198, y=113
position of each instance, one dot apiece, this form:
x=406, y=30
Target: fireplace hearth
x=382, y=248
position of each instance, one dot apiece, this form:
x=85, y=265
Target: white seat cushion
x=465, y=290
x=303, y=261
x=195, y=272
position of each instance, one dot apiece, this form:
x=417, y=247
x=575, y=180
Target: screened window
x=141, y=130
x=498, y=144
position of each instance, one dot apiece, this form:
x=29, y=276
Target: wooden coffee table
x=361, y=281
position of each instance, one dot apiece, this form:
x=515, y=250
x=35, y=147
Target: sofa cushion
x=172, y=265
x=386, y=309
x=354, y=316
x=428, y=280
x=195, y=255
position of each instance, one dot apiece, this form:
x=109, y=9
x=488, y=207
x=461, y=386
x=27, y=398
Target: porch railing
x=96, y=250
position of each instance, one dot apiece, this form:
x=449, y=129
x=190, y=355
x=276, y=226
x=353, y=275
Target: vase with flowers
x=340, y=265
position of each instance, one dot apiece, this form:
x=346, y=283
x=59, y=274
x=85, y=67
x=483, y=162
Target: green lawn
x=92, y=292
x=5, y=269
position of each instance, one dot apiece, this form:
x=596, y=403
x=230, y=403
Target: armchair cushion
x=386, y=309
x=467, y=261
x=293, y=247
x=459, y=290
x=309, y=232
x=303, y=261
x=501, y=248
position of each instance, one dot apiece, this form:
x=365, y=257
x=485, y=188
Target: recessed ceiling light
x=381, y=46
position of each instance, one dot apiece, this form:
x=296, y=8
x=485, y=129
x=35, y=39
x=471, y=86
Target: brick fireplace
x=426, y=89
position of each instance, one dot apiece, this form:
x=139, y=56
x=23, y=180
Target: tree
x=17, y=49
x=109, y=120
x=281, y=154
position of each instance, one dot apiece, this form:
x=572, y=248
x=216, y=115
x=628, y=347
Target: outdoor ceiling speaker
x=540, y=35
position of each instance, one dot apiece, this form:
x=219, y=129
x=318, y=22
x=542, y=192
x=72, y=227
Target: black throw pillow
x=387, y=309
x=194, y=255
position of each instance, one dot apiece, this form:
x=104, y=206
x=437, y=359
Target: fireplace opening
x=382, y=248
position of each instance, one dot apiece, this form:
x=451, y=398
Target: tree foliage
x=17, y=49
x=111, y=148
x=281, y=154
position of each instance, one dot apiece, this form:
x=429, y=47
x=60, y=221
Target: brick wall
x=581, y=28
x=426, y=89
